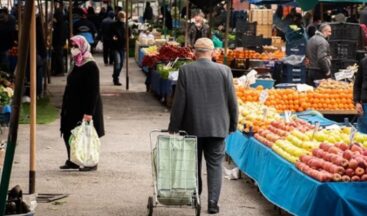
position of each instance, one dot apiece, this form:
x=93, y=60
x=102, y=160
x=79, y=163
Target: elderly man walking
x=205, y=105
x=318, y=54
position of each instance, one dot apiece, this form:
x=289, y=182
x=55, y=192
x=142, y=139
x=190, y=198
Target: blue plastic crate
x=294, y=74
x=266, y=83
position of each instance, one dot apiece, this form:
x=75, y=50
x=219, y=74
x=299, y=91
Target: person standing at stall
x=82, y=99
x=360, y=95
x=318, y=55
x=205, y=106
x=119, y=46
x=7, y=37
x=85, y=28
x=198, y=29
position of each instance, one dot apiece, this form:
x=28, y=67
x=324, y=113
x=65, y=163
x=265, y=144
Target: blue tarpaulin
x=287, y=187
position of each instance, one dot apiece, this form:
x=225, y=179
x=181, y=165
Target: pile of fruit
x=255, y=116
x=333, y=84
x=166, y=54
x=292, y=100
x=152, y=50
x=247, y=54
x=339, y=162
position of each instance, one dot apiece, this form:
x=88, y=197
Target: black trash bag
x=15, y=203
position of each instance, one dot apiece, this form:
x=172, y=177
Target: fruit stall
x=162, y=64
x=287, y=146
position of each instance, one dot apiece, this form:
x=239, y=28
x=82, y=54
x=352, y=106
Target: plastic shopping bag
x=99, y=47
x=84, y=145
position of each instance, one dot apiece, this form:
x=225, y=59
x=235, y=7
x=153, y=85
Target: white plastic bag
x=84, y=145
x=99, y=47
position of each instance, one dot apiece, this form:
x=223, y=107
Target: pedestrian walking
x=82, y=99
x=119, y=46
x=85, y=28
x=106, y=36
x=318, y=54
x=7, y=37
x=205, y=105
x=148, y=13
x=59, y=36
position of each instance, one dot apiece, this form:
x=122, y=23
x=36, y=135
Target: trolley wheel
x=150, y=206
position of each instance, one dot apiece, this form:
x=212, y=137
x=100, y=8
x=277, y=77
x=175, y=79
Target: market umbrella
x=310, y=4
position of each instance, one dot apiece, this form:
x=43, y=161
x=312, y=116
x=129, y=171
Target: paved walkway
x=123, y=181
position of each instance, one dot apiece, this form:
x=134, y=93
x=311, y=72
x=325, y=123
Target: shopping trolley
x=175, y=171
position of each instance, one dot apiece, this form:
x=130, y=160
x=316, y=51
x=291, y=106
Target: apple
x=305, y=158
x=337, y=177
x=325, y=146
x=342, y=146
x=346, y=178
x=356, y=178
x=364, y=177
x=356, y=148
x=334, y=150
x=359, y=171
x=348, y=154
x=317, y=152
x=349, y=172
x=365, y=153
x=353, y=163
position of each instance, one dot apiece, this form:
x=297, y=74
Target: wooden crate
x=264, y=30
x=261, y=16
x=277, y=42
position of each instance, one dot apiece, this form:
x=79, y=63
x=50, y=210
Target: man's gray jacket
x=205, y=103
x=318, y=53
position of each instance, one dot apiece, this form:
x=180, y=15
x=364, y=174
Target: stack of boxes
x=264, y=19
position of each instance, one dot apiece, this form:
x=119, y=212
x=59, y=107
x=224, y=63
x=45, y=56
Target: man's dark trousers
x=214, y=152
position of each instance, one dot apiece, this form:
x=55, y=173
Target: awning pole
x=33, y=94
x=229, y=6
x=127, y=42
x=14, y=119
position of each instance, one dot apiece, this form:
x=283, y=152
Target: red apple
x=334, y=150
x=359, y=171
x=353, y=163
x=342, y=146
x=345, y=178
x=337, y=177
x=356, y=148
x=356, y=178
x=305, y=158
x=364, y=177
x=325, y=146
x=317, y=152
x=365, y=152
x=348, y=154
x=349, y=172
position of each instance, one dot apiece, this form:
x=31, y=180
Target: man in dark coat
x=118, y=46
x=198, y=29
x=360, y=95
x=205, y=106
x=7, y=37
x=106, y=36
x=85, y=28
x=148, y=13
x=59, y=35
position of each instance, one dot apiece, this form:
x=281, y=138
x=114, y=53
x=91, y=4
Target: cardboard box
x=261, y=16
x=264, y=30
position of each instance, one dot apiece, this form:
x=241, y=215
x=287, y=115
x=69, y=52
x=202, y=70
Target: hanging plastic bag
x=84, y=145
x=99, y=47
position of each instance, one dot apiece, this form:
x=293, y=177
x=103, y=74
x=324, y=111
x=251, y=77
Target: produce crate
x=343, y=49
x=345, y=31
x=266, y=83
x=294, y=73
x=297, y=49
x=261, y=16
x=338, y=64
x=264, y=30
x=248, y=41
x=247, y=28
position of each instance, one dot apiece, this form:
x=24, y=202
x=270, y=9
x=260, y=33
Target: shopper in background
x=166, y=16
x=59, y=36
x=7, y=37
x=205, y=106
x=106, y=36
x=360, y=95
x=85, y=27
x=198, y=29
x=82, y=99
x=148, y=13
x=318, y=54
x=118, y=46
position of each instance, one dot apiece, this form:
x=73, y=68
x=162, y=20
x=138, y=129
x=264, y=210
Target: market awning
x=205, y=6
x=310, y=4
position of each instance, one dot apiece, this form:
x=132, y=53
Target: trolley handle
x=180, y=132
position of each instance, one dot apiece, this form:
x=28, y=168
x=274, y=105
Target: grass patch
x=46, y=112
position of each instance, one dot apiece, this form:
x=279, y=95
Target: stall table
x=290, y=189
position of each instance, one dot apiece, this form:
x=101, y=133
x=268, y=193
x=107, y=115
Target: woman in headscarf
x=82, y=99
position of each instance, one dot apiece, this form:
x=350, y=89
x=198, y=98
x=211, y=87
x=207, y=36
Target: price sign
x=317, y=127
x=263, y=96
x=352, y=134
x=265, y=113
x=346, y=74
x=287, y=116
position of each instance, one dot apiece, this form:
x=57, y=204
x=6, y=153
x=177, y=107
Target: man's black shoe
x=117, y=83
x=213, y=207
x=86, y=169
x=69, y=165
